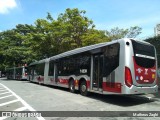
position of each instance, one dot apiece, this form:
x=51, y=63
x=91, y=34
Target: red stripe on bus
x=63, y=81
x=52, y=80
x=88, y=83
x=40, y=78
x=112, y=87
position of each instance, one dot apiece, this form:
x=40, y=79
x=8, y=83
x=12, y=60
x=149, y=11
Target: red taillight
x=128, y=77
x=25, y=74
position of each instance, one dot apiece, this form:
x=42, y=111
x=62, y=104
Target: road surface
x=25, y=96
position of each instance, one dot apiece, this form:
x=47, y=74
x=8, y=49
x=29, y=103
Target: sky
x=106, y=14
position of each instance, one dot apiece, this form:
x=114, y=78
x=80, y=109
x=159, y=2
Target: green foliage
x=93, y=36
x=156, y=42
x=49, y=37
x=117, y=33
x=13, y=51
x=75, y=25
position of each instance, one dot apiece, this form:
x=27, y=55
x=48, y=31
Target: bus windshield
x=144, y=54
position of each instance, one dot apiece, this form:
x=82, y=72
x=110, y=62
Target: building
x=157, y=30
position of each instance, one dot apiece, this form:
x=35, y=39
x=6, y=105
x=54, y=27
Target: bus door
x=56, y=73
x=97, y=72
x=32, y=72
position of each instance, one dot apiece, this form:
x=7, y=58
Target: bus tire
x=71, y=86
x=83, y=88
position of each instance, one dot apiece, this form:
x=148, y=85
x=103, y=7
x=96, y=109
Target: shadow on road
x=120, y=100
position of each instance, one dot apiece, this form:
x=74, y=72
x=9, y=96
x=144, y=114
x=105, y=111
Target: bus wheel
x=71, y=86
x=83, y=88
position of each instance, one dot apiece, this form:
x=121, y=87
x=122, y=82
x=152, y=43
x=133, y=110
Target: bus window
x=144, y=54
x=51, y=68
x=78, y=64
x=39, y=69
x=111, y=58
x=84, y=64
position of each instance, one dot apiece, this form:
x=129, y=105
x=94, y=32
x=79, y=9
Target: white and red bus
x=123, y=66
x=17, y=73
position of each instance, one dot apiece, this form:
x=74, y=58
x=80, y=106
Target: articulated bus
x=123, y=66
x=17, y=73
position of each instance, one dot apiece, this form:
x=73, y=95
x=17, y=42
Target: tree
x=156, y=42
x=12, y=48
x=48, y=37
x=133, y=32
x=117, y=33
x=93, y=36
x=66, y=33
x=76, y=24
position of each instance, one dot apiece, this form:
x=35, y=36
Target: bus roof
x=142, y=41
x=82, y=49
x=39, y=62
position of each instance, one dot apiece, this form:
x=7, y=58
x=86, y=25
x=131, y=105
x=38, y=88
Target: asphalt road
x=25, y=96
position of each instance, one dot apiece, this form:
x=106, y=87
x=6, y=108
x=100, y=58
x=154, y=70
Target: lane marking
x=22, y=101
x=4, y=93
x=21, y=109
x=6, y=103
x=6, y=96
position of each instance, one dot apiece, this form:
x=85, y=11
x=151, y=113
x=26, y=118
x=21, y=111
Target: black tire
x=71, y=86
x=83, y=88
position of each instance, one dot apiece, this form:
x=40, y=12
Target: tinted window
x=39, y=69
x=18, y=71
x=29, y=70
x=74, y=65
x=144, y=54
x=143, y=49
x=83, y=63
x=66, y=66
x=51, y=68
x=145, y=62
x=111, y=58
